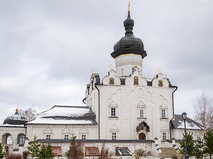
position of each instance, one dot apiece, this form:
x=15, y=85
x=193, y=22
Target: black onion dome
x=15, y=119
x=129, y=43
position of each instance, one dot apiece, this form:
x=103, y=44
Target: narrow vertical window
x=9, y=139
x=113, y=112
x=122, y=71
x=164, y=136
x=113, y=136
x=83, y=137
x=135, y=80
x=160, y=83
x=47, y=136
x=163, y=113
x=22, y=139
x=141, y=113
x=66, y=137
x=111, y=80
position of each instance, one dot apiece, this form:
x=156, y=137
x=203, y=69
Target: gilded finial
x=135, y=65
x=159, y=70
x=129, y=7
x=166, y=75
x=111, y=66
x=92, y=73
x=16, y=109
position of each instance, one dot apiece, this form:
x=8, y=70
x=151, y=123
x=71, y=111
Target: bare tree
x=104, y=152
x=204, y=110
x=29, y=113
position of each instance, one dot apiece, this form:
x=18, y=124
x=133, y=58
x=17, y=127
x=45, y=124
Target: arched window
x=111, y=80
x=21, y=139
x=7, y=139
x=135, y=80
x=160, y=83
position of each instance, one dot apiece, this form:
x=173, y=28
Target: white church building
x=124, y=110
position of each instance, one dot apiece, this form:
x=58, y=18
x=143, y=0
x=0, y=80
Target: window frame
x=114, y=135
x=141, y=113
x=83, y=137
x=163, y=113
x=113, y=112
x=48, y=136
x=66, y=136
x=111, y=81
x=136, y=80
x=164, y=136
x=160, y=83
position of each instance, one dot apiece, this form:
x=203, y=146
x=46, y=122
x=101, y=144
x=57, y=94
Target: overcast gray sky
x=48, y=49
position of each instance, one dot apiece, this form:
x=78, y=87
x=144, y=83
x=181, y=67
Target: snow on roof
x=69, y=111
x=66, y=115
x=178, y=123
x=188, y=125
x=54, y=121
x=15, y=119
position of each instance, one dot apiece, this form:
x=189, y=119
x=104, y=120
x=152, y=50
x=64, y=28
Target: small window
x=163, y=113
x=9, y=140
x=21, y=139
x=164, y=136
x=66, y=137
x=111, y=80
x=113, y=136
x=135, y=80
x=47, y=136
x=83, y=137
x=112, y=111
x=141, y=113
x=122, y=71
x=160, y=83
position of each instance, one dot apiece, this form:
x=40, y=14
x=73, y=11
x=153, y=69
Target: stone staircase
x=167, y=152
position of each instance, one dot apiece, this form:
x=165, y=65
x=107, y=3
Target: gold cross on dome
x=111, y=66
x=159, y=70
x=129, y=7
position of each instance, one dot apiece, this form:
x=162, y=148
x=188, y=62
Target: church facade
x=123, y=110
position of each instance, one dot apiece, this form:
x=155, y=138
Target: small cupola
x=15, y=119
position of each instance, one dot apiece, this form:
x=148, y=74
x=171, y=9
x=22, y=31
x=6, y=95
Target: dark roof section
x=95, y=141
x=176, y=122
x=15, y=119
x=122, y=79
x=123, y=151
x=129, y=43
x=149, y=83
x=138, y=128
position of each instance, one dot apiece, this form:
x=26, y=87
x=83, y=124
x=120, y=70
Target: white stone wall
x=125, y=63
x=128, y=99
x=178, y=133
x=14, y=131
x=58, y=131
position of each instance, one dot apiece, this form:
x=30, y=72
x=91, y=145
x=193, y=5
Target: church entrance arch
x=142, y=136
